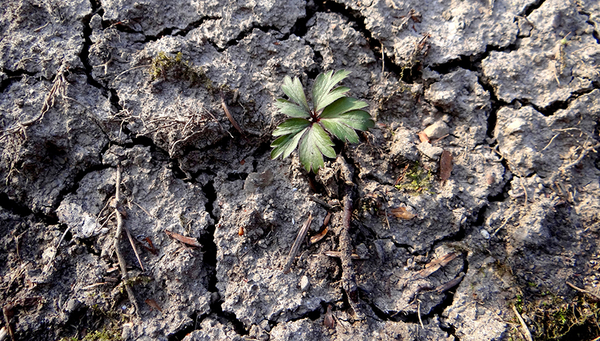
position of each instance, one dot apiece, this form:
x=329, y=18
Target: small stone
x=304, y=283
x=429, y=150
x=437, y=130
x=485, y=234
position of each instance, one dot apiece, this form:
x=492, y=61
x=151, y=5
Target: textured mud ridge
x=509, y=88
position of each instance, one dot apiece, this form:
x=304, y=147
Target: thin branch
x=348, y=273
x=583, y=290
x=321, y=202
x=122, y=264
x=549, y=143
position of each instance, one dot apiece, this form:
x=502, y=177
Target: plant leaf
x=341, y=106
x=291, y=109
x=286, y=144
x=333, y=96
x=315, y=143
x=358, y=119
x=323, y=85
x=293, y=89
x=291, y=126
x=340, y=130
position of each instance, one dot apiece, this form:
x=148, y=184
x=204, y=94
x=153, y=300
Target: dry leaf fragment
x=152, y=303
x=150, y=246
x=449, y=285
x=435, y=265
x=328, y=320
x=241, y=231
x=186, y=240
x=402, y=213
x=423, y=137
x=445, y=165
x=318, y=237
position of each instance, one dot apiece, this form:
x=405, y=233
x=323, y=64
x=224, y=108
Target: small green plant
x=167, y=67
x=98, y=335
x=332, y=113
x=519, y=303
x=416, y=179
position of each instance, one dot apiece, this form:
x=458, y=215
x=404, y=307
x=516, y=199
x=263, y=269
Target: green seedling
x=309, y=127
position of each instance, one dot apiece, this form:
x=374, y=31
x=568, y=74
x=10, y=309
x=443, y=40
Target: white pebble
x=485, y=234
x=304, y=283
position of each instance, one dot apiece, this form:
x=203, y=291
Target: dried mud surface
x=510, y=88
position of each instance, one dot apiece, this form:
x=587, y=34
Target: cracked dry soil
x=509, y=87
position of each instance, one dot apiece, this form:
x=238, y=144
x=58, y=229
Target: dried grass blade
x=297, y=243
x=435, y=265
x=231, y=119
x=338, y=254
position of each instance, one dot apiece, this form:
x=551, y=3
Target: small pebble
x=304, y=283
x=485, y=234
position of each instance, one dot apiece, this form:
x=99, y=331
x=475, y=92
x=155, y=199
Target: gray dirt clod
x=546, y=69
x=42, y=37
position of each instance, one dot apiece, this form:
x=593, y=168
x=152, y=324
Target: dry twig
x=525, y=329
x=121, y=259
x=348, y=273
x=595, y=296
